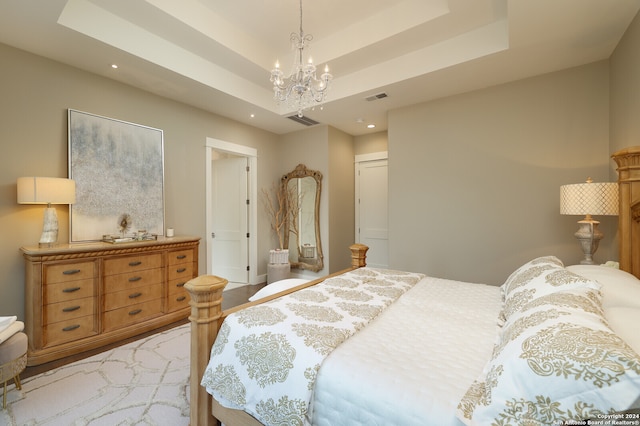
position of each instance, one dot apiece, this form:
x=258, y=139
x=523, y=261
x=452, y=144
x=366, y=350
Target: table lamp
x=46, y=190
x=589, y=199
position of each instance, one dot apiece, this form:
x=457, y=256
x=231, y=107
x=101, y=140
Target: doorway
x=372, y=217
x=231, y=214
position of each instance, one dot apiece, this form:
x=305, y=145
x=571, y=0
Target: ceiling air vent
x=377, y=96
x=303, y=120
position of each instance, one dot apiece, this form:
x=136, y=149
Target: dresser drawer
x=178, y=297
x=66, y=331
x=177, y=286
x=63, y=311
x=113, y=283
x=132, y=263
x=132, y=296
x=130, y=315
x=177, y=301
x=180, y=256
x=184, y=271
x=65, y=272
x=72, y=290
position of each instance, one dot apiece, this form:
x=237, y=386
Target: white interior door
x=372, y=218
x=230, y=254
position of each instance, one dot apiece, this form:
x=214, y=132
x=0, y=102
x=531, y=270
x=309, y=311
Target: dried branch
x=282, y=205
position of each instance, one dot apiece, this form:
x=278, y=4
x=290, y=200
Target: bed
x=554, y=344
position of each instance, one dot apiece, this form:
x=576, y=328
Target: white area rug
x=145, y=382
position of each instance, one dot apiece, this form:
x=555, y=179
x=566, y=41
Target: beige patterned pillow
x=529, y=271
x=557, y=361
x=538, y=278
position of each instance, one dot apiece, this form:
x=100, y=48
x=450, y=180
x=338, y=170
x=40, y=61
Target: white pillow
x=619, y=288
x=277, y=287
x=624, y=321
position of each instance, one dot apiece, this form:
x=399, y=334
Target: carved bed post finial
x=358, y=255
x=206, y=310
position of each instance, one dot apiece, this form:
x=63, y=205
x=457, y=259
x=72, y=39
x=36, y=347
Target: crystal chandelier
x=301, y=89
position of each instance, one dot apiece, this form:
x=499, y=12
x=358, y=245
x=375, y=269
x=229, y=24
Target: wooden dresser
x=83, y=296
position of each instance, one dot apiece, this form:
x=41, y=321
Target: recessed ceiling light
x=252, y=115
x=114, y=66
x=371, y=126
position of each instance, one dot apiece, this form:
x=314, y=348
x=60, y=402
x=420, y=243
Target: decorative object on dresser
x=47, y=190
x=589, y=199
x=83, y=296
x=119, y=172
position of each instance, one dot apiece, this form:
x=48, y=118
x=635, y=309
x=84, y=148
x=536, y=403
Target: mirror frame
x=301, y=171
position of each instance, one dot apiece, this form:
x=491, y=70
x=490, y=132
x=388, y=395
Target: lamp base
x=49, y=237
x=589, y=237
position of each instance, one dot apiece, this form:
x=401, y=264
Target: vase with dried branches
x=281, y=205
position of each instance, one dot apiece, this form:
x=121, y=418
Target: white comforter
x=412, y=364
x=265, y=358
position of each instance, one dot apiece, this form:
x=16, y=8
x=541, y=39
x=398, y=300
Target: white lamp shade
x=597, y=199
x=45, y=190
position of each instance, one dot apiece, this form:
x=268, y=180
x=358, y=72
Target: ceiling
x=217, y=54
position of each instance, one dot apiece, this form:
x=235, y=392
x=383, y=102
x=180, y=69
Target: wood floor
x=230, y=298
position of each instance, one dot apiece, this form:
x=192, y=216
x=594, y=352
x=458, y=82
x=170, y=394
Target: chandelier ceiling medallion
x=302, y=89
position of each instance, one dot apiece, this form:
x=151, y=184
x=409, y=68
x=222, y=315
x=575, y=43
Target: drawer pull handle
x=134, y=279
x=180, y=284
x=181, y=270
x=181, y=298
x=71, y=309
x=70, y=289
x=71, y=327
x=134, y=295
x=182, y=256
x=138, y=263
x=70, y=271
x=135, y=312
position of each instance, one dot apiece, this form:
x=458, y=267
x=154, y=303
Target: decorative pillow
x=529, y=271
x=619, y=288
x=538, y=278
x=556, y=361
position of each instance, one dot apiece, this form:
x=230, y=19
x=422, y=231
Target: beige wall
x=474, y=179
x=370, y=143
x=331, y=152
x=341, y=189
x=625, y=91
x=36, y=94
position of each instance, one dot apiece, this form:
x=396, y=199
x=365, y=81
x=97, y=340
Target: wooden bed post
x=628, y=161
x=206, y=310
x=358, y=255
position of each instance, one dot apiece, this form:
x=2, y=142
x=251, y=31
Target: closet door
x=372, y=210
x=230, y=227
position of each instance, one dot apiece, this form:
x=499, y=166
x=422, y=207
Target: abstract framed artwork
x=118, y=168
